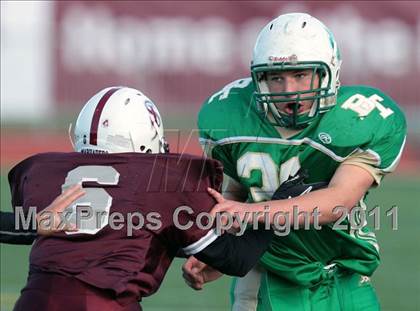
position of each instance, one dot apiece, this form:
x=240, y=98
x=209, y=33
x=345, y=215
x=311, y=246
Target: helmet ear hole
x=142, y=148
x=148, y=151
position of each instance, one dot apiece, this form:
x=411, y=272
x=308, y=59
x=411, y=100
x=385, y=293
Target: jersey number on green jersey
x=271, y=175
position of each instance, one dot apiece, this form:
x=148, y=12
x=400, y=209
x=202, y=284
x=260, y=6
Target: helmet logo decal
x=93, y=139
x=282, y=59
x=153, y=114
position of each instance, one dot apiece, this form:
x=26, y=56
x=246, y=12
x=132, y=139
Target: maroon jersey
x=147, y=189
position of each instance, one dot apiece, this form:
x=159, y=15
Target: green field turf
x=397, y=280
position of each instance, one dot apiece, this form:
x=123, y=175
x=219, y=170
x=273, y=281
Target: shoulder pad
x=223, y=113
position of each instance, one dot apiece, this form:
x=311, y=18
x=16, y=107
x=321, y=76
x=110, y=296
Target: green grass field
x=397, y=280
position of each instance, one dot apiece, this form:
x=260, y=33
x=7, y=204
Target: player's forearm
x=11, y=234
x=320, y=205
x=348, y=185
x=236, y=255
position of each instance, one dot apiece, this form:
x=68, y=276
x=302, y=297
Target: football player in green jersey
x=292, y=115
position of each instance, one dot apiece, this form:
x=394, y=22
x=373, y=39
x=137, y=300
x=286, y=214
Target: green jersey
x=364, y=122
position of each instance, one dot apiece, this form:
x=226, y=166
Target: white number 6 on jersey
x=96, y=202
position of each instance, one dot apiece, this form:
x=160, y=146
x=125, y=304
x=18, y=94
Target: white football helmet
x=296, y=41
x=119, y=119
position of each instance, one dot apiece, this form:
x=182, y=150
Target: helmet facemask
x=273, y=102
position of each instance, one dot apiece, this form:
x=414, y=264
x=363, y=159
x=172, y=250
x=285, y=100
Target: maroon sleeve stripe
x=93, y=139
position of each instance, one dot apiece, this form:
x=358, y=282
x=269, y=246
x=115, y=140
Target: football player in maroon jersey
x=140, y=210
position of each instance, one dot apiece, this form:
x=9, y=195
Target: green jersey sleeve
x=389, y=141
x=369, y=119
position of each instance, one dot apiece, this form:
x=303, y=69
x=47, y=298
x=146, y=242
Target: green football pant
x=339, y=291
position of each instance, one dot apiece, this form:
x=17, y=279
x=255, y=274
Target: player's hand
x=191, y=272
x=237, y=211
x=197, y=273
x=52, y=212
